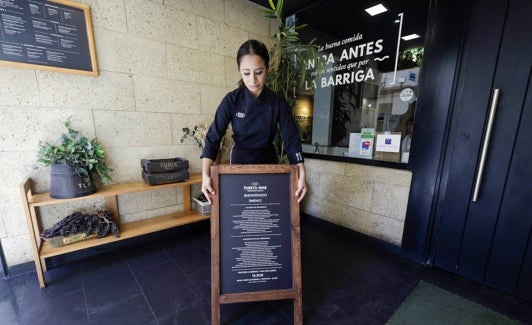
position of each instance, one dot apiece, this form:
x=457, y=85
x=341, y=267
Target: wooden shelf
x=41, y=199
x=42, y=249
x=127, y=230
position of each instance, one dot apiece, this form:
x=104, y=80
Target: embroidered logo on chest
x=240, y=115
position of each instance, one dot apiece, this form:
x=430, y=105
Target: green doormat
x=428, y=304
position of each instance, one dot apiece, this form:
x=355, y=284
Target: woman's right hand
x=207, y=189
x=206, y=186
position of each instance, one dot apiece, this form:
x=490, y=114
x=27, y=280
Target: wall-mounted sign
x=255, y=244
x=54, y=35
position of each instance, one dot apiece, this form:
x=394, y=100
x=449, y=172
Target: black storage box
x=155, y=166
x=164, y=178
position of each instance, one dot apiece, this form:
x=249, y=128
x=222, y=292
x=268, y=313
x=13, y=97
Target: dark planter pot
x=66, y=183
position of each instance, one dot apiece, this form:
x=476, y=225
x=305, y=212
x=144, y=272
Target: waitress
x=254, y=112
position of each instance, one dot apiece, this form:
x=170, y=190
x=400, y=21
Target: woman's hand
x=206, y=186
x=301, y=183
x=301, y=190
x=207, y=189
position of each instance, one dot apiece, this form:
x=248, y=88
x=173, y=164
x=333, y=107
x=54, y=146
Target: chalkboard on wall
x=255, y=236
x=54, y=35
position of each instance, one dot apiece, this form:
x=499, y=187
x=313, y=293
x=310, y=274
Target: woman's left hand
x=301, y=189
x=301, y=183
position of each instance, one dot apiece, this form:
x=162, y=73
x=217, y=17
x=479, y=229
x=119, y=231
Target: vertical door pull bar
x=485, y=144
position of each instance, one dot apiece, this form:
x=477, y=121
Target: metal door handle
x=485, y=144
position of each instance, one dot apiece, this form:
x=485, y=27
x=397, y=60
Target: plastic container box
x=203, y=208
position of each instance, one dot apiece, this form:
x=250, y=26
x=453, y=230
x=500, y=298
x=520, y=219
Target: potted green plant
x=289, y=59
x=73, y=162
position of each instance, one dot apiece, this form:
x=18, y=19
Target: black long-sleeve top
x=254, y=121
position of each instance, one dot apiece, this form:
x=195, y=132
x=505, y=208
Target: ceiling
x=331, y=20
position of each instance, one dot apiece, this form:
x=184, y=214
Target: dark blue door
x=483, y=219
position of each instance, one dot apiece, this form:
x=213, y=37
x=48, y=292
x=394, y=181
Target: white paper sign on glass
x=388, y=142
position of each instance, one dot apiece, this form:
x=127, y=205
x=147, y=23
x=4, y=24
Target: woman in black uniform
x=254, y=112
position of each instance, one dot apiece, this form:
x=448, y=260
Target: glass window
x=363, y=103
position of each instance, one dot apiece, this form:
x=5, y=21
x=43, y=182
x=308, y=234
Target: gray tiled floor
x=165, y=279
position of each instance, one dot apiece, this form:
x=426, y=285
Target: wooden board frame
x=295, y=292
x=57, y=68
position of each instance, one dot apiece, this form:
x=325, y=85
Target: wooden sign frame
x=59, y=66
x=246, y=173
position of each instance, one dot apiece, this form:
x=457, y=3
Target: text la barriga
x=356, y=70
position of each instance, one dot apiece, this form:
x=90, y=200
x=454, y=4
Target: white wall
x=370, y=200
x=164, y=65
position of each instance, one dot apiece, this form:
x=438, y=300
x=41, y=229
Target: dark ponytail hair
x=253, y=47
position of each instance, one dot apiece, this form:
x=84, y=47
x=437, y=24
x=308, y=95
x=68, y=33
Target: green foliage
x=414, y=55
x=289, y=60
x=87, y=155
